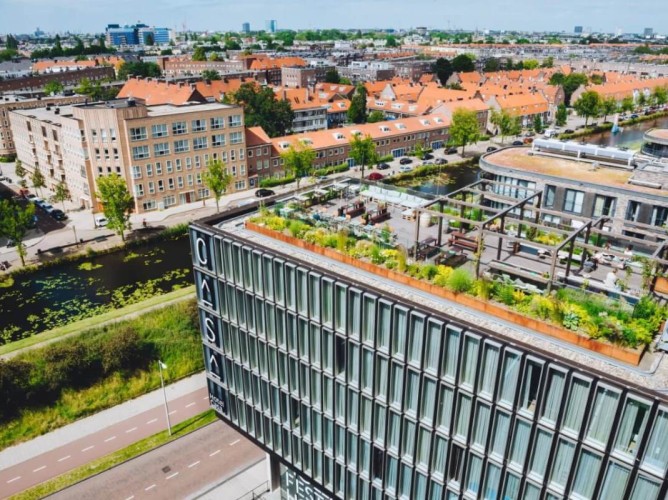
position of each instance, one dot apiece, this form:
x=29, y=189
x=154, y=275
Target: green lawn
x=88, y=323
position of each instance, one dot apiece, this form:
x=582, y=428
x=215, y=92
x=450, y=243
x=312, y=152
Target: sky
x=89, y=16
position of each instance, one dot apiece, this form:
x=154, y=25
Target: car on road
x=405, y=168
x=491, y=148
x=382, y=166
x=30, y=196
x=58, y=214
x=375, y=176
x=634, y=116
x=321, y=178
x=100, y=221
x=406, y=161
x=263, y=193
x=518, y=143
x=47, y=207
x=451, y=151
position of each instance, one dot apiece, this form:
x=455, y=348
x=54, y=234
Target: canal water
x=630, y=136
x=67, y=292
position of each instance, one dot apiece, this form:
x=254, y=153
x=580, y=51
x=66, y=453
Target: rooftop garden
x=591, y=315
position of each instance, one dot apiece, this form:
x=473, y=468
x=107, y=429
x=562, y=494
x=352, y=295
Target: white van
x=549, y=133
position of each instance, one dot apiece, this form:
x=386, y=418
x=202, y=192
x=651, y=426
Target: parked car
x=491, y=148
x=569, y=131
x=451, y=151
x=382, y=166
x=100, y=221
x=30, y=196
x=518, y=143
x=375, y=176
x=47, y=207
x=263, y=193
x=634, y=116
x=322, y=178
x=441, y=161
x=405, y=161
x=58, y=214
x=427, y=156
x=405, y=168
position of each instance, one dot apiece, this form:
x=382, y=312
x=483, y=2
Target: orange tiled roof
x=262, y=64
x=155, y=92
x=521, y=104
x=256, y=136
x=215, y=89
x=322, y=139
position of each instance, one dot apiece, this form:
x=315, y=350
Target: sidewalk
x=251, y=483
x=100, y=421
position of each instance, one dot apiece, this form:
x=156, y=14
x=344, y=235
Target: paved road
x=207, y=456
x=76, y=453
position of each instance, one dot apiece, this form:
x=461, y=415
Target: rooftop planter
x=601, y=325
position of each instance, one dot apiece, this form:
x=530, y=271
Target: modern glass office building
x=360, y=388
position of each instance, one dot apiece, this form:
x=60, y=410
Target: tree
x=332, y=76
x=375, y=116
x=538, y=124
x=463, y=63
x=608, y=107
x=391, y=41
x=561, y=116
x=491, y=65
x=345, y=81
x=571, y=83
x=96, y=91
x=588, y=105
x=530, y=64
x=363, y=151
x=145, y=69
x=557, y=78
x=20, y=170
x=641, y=100
x=217, y=179
x=117, y=203
x=465, y=128
x=210, y=74
x=15, y=219
x=53, y=88
x=298, y=161
x=357, y=109
x=150, y=39
x=166, y=52
x=199, y=54
x=503, y=122
x=443, y=70
x=37, y=179
x=660, y=96
x=596, y=79
x=263, y=109
x=548, y=62
x=11, y=43
x=61, y=193
x=628, y=104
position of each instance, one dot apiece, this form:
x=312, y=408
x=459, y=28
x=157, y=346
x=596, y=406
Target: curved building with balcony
x=656, y=143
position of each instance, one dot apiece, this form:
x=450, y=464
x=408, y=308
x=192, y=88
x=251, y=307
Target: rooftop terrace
x=585, y=280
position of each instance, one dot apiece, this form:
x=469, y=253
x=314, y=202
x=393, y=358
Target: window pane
x=405, y=481
x=602, y=416
x=433, y=349
x=416, y=340
x=469, y=363
x=530, y=386
x=393, y=430
x=424, y=447
x=408, y=441
x=473, y=478
x=488, y=377
x=587, y=473
x=520, y=442
x=541, y=452
x=562, y=464
x=428, y=400
x=384, y=323
x=381, y=378
x=399, y=337
x=463, y=416
x=397, y=385
x=439, y=457
x=492, y=477
x=577, y=403
x=645, y=489
x=451, y=353
x=481, y=425
x=445, y=401
x=631, y=426
x=656, y=455
x=391, y=466
x=512, y=488
x=614, y=484
x=412, y=393
x=501, y=427
x=555, y=389
x=509, y=375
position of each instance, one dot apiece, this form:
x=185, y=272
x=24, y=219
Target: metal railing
x=258, y=492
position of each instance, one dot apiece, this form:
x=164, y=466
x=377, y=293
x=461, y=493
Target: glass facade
x=369, y=397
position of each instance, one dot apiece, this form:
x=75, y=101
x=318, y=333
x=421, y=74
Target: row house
x=67, y=78
x=619, y=91
x=154, y=92
x=526, y=106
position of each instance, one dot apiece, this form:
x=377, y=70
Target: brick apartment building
x=301, y=77
x=11, y=102
x=161, y=151
x=67, y=78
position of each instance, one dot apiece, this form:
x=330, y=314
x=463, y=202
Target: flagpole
x=164, y=395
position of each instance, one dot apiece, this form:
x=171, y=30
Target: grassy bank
x=97, y=321
x=102, y=464
x=52, y=386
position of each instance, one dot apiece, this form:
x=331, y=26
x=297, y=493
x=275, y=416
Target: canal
x=630, y=136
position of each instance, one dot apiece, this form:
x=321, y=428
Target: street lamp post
x=76, y=241
x=161, y=365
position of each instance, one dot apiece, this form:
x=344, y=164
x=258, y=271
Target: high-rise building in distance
x=245, y=28
x=270, y=26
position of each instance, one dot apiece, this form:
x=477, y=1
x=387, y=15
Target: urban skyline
x=198, y=15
